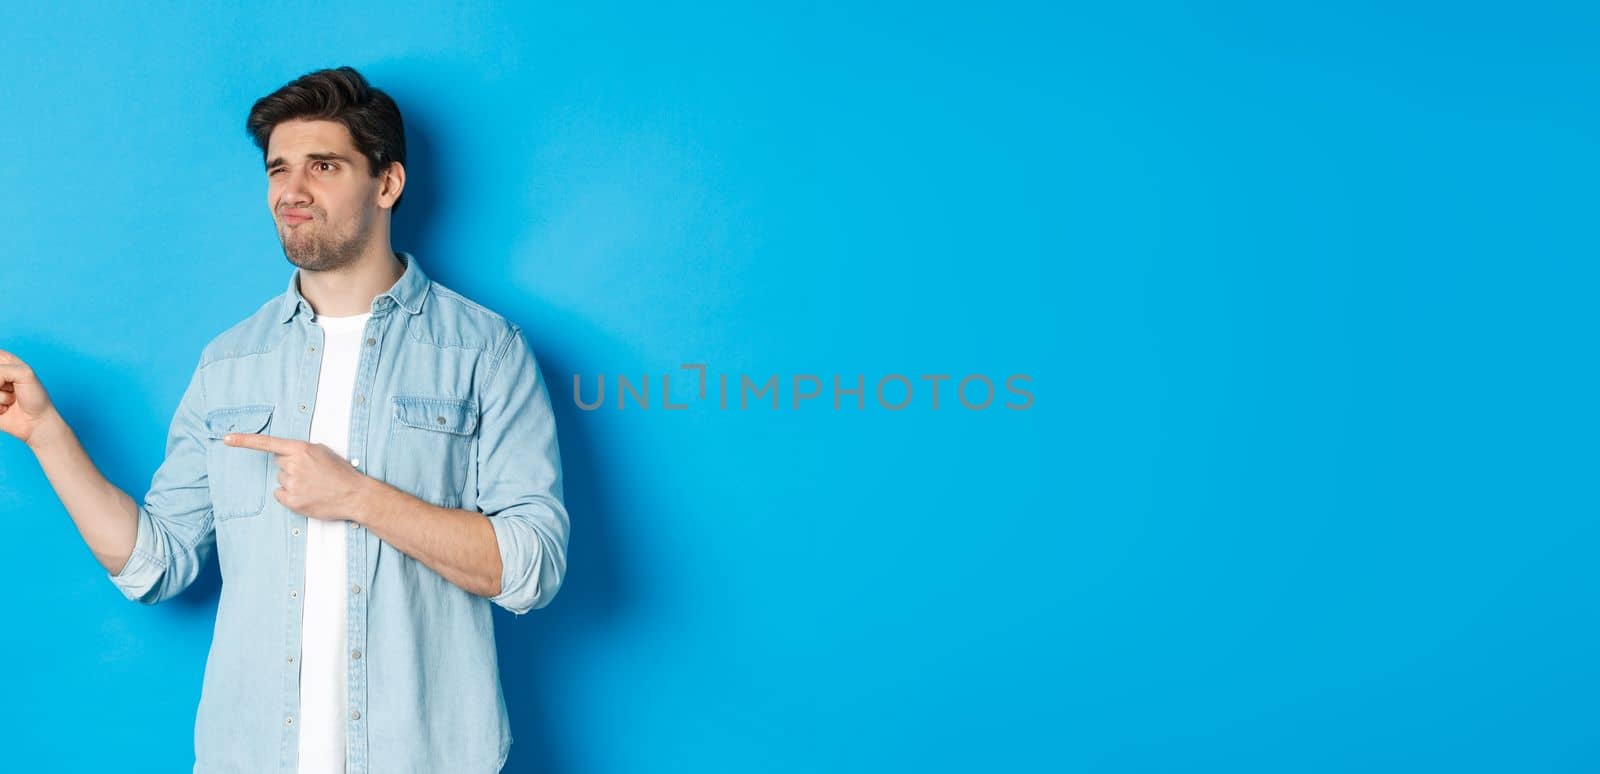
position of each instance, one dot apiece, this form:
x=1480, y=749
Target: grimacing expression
x=321, y=194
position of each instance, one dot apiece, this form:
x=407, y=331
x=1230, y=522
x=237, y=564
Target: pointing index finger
x=260, y=441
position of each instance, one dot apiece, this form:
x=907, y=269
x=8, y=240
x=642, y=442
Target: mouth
x=295, y=219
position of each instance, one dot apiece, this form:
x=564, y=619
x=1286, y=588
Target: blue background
x=1306, y=296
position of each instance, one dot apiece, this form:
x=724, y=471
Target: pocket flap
x=243, y=419
x=451, y=415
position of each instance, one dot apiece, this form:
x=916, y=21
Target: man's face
x=322, y=196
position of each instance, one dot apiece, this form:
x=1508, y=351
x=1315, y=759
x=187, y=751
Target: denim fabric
x=449, y=406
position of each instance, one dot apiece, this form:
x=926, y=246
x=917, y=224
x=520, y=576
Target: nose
x=295, y=192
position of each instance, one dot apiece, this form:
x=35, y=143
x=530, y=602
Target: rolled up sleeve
x=176, y=535
x=519, y=478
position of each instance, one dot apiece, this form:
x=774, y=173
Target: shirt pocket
x=430, y=447
x=238, y=476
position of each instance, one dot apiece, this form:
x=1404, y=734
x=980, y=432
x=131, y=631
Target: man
x=373, y=459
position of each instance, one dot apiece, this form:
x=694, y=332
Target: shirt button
x=294, y=531
x=290, y=659
x=361, y=399
x=371, y=342
x=302, y=407
x=440, y=420
x=294, y=594
x=311, y=349
x=289, y=721
x=355, y=715
x=355, y=588
x=356, y=461
x=355, y=654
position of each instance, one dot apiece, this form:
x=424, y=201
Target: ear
x=390, y=183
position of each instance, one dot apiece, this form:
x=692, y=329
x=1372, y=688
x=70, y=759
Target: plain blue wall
x=1307, y=297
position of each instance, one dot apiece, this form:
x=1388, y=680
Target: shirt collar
x=408, y=292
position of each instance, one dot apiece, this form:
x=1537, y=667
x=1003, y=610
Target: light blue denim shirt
x=449, y=406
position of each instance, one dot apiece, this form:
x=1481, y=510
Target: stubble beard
x=315, y=251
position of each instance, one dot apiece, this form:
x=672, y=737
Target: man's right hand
x=25, y=407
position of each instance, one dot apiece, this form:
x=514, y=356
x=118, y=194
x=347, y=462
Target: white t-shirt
x=324, y=660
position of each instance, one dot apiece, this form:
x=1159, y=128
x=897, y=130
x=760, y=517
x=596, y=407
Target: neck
x=350, y=289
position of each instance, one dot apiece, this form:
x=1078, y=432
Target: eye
x=274, y=171
x=327, y=164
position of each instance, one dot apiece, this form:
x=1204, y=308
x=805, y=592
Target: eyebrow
x=311, y=156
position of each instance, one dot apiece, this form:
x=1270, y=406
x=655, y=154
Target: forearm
x=107, y=518
x=458, y=544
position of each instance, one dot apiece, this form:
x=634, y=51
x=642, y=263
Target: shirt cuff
x=140, y=575
x=519, y=547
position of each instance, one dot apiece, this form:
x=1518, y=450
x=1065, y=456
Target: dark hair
x=339, y=94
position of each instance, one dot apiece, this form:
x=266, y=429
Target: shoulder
x=450, y=319
x=257, y=333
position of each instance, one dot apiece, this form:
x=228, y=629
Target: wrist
x=49, y=433
x=368, y=501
